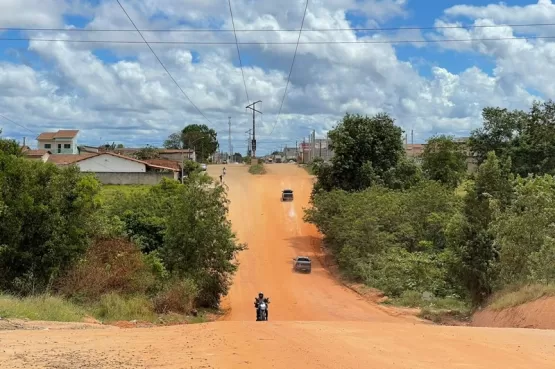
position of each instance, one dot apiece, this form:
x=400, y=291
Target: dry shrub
x=177, y=297
x=110, y=265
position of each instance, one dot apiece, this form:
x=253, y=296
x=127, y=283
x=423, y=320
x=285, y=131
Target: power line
x=239, y=53
x=17, y=124
x=290, y=69
x=162, y=64
x=222, y=30
x=434, y=41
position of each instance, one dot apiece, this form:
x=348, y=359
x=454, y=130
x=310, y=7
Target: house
x=177, y=155
x=112, y=168
x=61, y=142
x=41, y=155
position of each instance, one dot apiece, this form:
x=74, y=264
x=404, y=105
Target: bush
x=257, y=169
x=46, y=222
x=110, y=266
x=178, y=297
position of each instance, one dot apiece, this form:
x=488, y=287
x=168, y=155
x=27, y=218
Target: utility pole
x=229, y=138
x=253, y=108
x=249, y=142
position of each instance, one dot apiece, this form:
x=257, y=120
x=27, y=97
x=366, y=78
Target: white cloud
x=130, y=98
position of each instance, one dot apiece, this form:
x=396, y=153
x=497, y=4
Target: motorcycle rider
x=258, y=300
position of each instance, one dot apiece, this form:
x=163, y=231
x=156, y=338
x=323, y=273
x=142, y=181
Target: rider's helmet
x=260, y=295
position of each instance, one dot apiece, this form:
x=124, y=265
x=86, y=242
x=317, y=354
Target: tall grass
x=517, y=296
x=42, y=307
x=113, y=307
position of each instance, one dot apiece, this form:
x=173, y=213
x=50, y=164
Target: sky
x=119, y=92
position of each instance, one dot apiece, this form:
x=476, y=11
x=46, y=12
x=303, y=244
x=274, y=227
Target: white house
x=111, y=168
x=61, y=142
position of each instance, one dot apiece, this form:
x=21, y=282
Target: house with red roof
x=63, y=141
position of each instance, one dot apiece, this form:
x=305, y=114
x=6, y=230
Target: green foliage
x=257, y=169
x=365, y=148
x=9, y=147
x=40, y=307
x=202, y=139
x=199, y=244
x=528, y=138
x=444, y=160
x=113, y=307
x=45, y=223
x=148, y=152
x=389, y=239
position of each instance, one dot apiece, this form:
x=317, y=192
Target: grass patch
x=461, y=189
x=435, y=309
x=43, y=307
x=517, y=296
x=257, y=169
x=308, y=169
x=113, y=307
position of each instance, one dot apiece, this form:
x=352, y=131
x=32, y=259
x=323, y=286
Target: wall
x=148, y=178
x=109, y=163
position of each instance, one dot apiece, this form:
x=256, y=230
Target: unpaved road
x=314, y=321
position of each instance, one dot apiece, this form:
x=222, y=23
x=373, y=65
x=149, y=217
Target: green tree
x=444, y=160
x=9, y=147
x=45, y=223
x=199, y=243
x=148, y=152
x=475, y=249
x=202, y=139
x=527, y=138
x=524, y=228
x=365, y=148
x=174, y=141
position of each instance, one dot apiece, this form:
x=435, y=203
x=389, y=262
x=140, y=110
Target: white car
x=203, y=166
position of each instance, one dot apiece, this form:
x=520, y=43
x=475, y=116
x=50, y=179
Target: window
x=67, y=146
x=47, y=146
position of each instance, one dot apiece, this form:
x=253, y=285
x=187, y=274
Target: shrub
x=177, y=297
x=110, y=265
x=257, y=169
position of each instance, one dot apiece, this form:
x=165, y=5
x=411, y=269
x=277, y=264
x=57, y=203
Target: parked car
x=203, y=166
x=303, y=264
x=287, y=195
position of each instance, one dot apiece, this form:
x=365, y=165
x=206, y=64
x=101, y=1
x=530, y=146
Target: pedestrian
x=224, y=171
x=221, y=179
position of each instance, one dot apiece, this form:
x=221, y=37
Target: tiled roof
x=66, y=159
x=63, y=133
x=35, y=153
x=170, y=164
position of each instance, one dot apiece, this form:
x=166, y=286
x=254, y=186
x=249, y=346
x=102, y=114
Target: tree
x=45, y=221
x=475, y=249
x=527, y=138
x=174, y=141
x=200, y=138
x=238, y=157
x=10, y=147
x=199, y=243
x=444, y=160
x=365, y=149
x=148, y=152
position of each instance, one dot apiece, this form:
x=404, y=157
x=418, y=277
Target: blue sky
x=120, y=93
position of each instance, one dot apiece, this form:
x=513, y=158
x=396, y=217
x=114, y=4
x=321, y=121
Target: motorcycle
x=262, y=310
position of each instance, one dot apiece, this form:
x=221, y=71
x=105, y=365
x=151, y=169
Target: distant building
x=61, y=142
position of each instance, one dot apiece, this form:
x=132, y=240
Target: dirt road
x=314, y=321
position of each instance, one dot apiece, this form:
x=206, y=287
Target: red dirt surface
x=539, y=314
x=315, y=321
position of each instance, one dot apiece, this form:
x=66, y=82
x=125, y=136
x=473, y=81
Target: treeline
x=170, y=245
x=432, y=228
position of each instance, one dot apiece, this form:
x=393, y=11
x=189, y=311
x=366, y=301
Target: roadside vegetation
x=257, y=169
x=431, y=235
x=70, y=247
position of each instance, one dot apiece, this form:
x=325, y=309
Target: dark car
x=287, y=195
x=303, y=264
